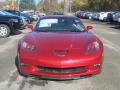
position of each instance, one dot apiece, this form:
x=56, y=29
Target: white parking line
x=113, y=33
x=109, y=44
x=110, y=32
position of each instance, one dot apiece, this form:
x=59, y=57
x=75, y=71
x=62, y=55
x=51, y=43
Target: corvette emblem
x=61, y=53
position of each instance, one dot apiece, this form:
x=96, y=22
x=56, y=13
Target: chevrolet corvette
x=60, y=47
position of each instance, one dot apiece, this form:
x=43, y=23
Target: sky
x=36, y=1
x=59, y=1
x=2, y=0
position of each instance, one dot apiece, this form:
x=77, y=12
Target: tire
x=4, y=30
x=17, y=65
x=16, y=62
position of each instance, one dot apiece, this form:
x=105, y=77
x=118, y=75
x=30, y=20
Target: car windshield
x=60, y=24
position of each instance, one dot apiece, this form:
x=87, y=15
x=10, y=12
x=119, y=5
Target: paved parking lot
x=109, y=79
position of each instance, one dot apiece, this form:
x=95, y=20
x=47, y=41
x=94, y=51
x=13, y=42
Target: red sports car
x=60, y=47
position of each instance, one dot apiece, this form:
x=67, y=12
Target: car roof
x=58, y=16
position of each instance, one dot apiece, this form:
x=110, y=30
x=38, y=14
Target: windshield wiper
x=59, y=30
x=75, y=30
x=42, y=30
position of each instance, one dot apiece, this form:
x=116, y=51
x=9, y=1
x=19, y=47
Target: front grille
x=61, y=70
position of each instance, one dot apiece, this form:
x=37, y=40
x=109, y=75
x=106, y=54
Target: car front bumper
x=90, y=69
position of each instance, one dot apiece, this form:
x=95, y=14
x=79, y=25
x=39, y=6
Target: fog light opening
x=97, y=65
x=24, y=65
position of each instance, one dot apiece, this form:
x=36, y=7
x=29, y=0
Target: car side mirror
x=31, y=27
x=89, y=28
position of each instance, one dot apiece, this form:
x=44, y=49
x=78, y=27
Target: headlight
x=93, y=48
x=29, y=47
x=15, y=20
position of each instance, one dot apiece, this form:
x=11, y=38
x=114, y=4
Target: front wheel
x=4, y=30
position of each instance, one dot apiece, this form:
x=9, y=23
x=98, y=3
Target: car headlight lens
x=15, y=20
x=93, y=48
x=29, y=47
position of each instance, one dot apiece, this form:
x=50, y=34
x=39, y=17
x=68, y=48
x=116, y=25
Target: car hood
x=54, y=45
x=10, y=16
